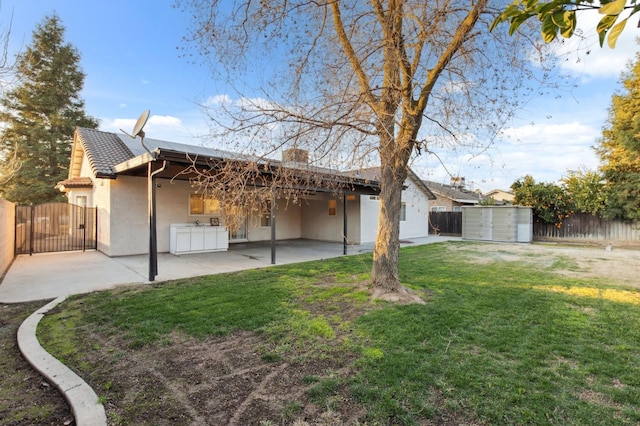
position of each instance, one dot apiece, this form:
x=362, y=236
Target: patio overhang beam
x=139, y=162
x=181, y=161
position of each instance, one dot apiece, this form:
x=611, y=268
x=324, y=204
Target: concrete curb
x=80, y=396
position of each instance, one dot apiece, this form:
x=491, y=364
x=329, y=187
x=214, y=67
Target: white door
x=240, y=233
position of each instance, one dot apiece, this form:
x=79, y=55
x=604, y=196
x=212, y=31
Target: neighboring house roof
x=374, y=173
x=500, y=195
x=457, y=194
x=111, y=154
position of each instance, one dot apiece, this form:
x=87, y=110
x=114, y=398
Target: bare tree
x=359, y=83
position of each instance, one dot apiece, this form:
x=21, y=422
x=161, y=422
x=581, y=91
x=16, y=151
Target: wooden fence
x=586, y=227
x=7, y=234
x=580, y=227
x=445, y=223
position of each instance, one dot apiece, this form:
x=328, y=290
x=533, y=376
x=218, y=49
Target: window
x=403, y=212
x=265, y=215
x=332, y=207
x=438, y=209
x=457, y=208
x=201, y=204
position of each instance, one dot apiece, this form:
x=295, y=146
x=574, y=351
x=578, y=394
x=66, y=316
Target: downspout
x=273, y=229
x=153, y=235
x=344, y=224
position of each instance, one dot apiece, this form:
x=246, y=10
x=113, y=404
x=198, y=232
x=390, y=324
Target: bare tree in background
x=363, y=83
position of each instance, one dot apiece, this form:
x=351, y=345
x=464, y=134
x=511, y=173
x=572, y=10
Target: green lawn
x=498, y=342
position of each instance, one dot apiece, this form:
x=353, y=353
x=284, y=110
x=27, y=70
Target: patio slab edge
x=86, y=408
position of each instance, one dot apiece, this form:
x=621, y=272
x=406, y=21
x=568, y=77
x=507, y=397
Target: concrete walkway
x=58, y=275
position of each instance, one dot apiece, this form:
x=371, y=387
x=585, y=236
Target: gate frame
x=31, y=228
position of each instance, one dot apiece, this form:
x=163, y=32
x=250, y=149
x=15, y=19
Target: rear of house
x=110, y=172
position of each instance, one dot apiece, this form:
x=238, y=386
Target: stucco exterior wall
x=7, y=234
x=128, y=219
x=127, y=223
x=317, y=224
x=101, y=198
x=416, y=223
x=288, y=223
x=369, y=220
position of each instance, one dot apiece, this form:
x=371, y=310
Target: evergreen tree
x=40, y=115
x=619, y=148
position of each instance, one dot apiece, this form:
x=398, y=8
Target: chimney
x=457, y=182
x=295, y=156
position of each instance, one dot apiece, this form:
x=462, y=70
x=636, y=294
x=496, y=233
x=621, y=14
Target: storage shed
x=512, y=224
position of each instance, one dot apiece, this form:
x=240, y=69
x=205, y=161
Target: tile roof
x=104, y=150
x=76, y=182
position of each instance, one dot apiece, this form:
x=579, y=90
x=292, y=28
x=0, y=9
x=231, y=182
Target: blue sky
x=131, y=55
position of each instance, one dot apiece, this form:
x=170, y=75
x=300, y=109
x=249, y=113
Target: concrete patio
x=50, y=275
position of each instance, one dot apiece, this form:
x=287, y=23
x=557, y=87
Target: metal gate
x=55, y=227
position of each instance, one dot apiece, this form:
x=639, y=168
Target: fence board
x=445, y=223
x=586, y=227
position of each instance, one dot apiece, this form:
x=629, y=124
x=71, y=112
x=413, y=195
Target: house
x=500, y=197
x=452, y=197
x=414, y=213
x=141, y=190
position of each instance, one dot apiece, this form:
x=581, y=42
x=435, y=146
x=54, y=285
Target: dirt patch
x=229, y=380
x=617, y=265
x=26, y=398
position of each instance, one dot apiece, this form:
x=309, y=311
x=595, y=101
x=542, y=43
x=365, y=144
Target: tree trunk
x=387, y=247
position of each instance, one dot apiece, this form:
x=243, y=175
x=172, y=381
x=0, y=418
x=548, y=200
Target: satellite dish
x=137, y=130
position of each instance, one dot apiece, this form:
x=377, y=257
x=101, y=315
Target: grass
x=499, y=342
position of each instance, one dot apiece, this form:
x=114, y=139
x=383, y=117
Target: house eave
x=137, y=167
x=135, y=163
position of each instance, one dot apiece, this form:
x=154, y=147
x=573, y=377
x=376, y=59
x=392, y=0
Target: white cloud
x=116, y=124
x=218, y=100
x=546, y=152
x=127, y=124
x=164, y=121
x=551, y=134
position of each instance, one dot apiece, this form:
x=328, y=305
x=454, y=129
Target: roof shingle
x=104, y=150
